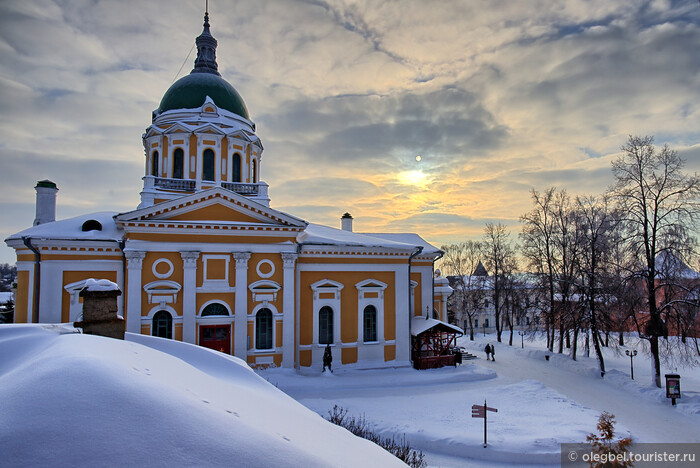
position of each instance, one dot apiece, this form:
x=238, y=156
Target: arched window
x=208, y=164
x=370, y=323
x=263, y=329
x=486, y=323
x=236, y=170
x=163, y=324
x=214, y=309
x=325, y=325
x=178, y=164
x=154, y=164
x=253, y=172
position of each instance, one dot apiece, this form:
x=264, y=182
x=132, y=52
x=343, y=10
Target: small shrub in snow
x=361, y=428
x=604, y=445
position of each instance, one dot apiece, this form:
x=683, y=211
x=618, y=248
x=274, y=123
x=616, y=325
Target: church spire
x=206, y=50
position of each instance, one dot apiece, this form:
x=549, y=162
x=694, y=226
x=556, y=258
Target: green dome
x=191, y=91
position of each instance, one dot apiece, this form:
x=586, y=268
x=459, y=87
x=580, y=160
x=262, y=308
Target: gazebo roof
x=420, y=325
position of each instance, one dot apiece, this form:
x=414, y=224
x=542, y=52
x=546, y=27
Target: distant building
x=475, y=293
x=206, y=260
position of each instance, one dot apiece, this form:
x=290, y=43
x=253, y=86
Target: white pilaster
x=403, y=315
x=189, y=298
x=134, y=262
x=240, y=334
x=288, y=259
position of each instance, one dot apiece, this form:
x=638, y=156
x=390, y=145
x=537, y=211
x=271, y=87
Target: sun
x=417, y=178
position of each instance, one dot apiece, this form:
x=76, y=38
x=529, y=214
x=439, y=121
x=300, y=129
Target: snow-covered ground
x=540, y=403
x=70, y=399
x=78, y=400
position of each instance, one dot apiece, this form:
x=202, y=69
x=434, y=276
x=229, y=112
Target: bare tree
x=537, y=237
x=597, y=223
x=459, y=264
x=660, y=204
x=499, y=258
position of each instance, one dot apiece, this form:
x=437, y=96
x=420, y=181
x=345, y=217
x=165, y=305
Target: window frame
x=157, y=317
x=262, y=317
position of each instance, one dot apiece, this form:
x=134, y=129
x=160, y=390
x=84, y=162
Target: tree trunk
x=471, y=328
x=654, y=348
x=575, y=344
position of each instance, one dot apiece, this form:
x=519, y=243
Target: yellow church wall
x=224, y=159
x=145, y=329
x=147, y=276
x=74, y=276
x=417, y=298
x=389, y=352
x=348, y=355
x=178, y=332
x=256, y=258
x=278, y=333
x=193, y=152
x=305, y=357
x=348, y=302
x=25, y=258
x=213, y=212
x=22, y=304
x=166, y=159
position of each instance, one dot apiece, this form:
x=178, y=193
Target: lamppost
x=522, y=342
x=631, y=354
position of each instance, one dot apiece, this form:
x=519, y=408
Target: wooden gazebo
x=432, y=342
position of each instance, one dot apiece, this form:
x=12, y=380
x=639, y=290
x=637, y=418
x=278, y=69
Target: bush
x=604, y=443
x=361, y=428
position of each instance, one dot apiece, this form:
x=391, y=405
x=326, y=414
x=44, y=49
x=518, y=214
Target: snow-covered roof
x=316, y=234
x=72, y=228
x=421, y=324
x=407, y=238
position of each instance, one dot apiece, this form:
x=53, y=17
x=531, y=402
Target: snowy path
x=648, y=421
x=541, y=404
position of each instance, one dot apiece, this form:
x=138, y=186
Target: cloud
x=497, y=97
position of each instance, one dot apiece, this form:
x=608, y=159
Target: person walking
x=487, y=350
x=327, y=358
x=493, y=353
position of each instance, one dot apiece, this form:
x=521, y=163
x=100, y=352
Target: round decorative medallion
x=162, y=268
x=265, y=268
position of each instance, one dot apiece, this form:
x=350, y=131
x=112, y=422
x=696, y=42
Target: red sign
x=479, y=411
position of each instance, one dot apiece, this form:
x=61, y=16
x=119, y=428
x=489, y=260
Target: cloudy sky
x=496, y=96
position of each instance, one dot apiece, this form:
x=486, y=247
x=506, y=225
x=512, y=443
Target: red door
x=217, y=337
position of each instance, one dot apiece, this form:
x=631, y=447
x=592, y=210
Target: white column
x=189, y=297
x=240, y=334
x=288, y=259
x=403, y=314
x=134, y=262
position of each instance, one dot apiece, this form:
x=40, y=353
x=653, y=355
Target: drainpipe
x=122, y=244
x=37, y=277
x=410, y=311
x=440, y=255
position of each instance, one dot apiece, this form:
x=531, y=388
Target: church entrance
x=216, y=337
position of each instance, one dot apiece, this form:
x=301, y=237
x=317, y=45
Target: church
x=204, y=259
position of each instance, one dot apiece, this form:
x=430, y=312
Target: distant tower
x=45, y=202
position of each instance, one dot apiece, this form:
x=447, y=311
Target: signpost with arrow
x=479, y=411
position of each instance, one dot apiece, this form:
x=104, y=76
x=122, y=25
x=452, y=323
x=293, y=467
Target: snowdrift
x=70, y=399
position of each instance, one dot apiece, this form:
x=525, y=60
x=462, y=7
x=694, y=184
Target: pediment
x=215, y=206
